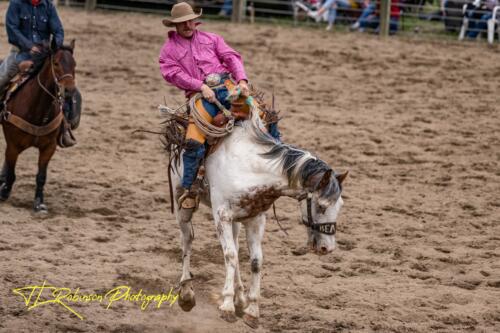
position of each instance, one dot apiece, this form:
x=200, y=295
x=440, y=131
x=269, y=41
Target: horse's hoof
x=228, y=316
x=40, y=208
x=251, y=321
x=239, y=309
x=186, y=299
x=4, y=192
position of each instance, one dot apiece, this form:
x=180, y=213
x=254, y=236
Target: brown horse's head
x=63, y=65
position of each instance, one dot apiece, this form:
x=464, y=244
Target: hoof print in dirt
x=300, y=251
x=228, y=316
x=251, y=321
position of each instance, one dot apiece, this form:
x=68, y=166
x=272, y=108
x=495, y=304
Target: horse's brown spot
x=258, y=200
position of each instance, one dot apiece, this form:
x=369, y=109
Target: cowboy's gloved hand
x=208, y=93
x=244, y=90
x=35, y=49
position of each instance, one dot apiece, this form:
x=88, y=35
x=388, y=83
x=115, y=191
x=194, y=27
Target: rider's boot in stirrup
x=191, y=158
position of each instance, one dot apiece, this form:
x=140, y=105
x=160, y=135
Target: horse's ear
x=341, y=177
x=325, y=180
x=72, y=44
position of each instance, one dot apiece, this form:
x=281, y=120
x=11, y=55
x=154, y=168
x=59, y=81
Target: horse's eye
x=322, y=209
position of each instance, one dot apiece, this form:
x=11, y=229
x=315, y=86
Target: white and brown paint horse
x=245, y=175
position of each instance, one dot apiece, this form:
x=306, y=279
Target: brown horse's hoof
x=4, y=192
x=251, y=321
x=39, y=206
x=186, y=298
x=228, y=316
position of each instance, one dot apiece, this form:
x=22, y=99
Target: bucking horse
x=245, y=174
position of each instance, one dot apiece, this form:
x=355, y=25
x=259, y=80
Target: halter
x=60, y=88
x=327, y=228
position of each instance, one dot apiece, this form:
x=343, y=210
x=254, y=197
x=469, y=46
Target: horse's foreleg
x=255, y=232
x=8, y=172
x=240, y=301
x=187, y=298
x=224, y=224
x=3, y=173
x=44, y=157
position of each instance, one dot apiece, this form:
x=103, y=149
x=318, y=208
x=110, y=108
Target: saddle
x=14, y=85
x=65, y=137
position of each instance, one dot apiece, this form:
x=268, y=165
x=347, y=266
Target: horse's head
x=320, y=209
x=63, y=65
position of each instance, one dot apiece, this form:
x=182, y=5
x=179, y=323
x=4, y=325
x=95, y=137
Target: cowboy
x=195, y=61
x=29, y=25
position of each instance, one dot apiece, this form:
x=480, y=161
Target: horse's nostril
x=324, y=249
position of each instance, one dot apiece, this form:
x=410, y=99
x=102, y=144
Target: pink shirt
x=185, y=63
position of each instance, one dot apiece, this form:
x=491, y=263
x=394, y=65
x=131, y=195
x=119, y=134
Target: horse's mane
x=297, y=165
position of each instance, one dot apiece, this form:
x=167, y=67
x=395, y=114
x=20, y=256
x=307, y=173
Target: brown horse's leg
x=3, y=173
x=8, y=172
x=46, y=154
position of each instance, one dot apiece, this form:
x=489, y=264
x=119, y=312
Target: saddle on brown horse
x=65, y=136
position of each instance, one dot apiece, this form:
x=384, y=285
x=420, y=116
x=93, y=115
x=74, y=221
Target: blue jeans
x=373, y=22
x=8, y=68
x=221, y=95
x=195, y=151
x=227, y=7
x=367, y=11
x=332, y=5
x=476, y=25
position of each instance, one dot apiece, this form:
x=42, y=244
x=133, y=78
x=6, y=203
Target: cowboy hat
x=180, y=12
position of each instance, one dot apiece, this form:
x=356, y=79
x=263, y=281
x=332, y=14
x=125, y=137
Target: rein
x=60, y=89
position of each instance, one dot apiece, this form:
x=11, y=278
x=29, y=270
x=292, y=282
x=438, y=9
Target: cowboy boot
x=191, y=158
x=66, y=138
x=72, y=108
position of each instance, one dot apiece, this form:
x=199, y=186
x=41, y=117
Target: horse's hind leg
x=46, y=154
x=240, y=301
x=255, y=232
x=8, y=172
x=186, y=296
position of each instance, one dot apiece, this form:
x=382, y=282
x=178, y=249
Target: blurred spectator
x=227, y=8
x=368, y=9
x=331, y=6
x=371, y=17
x=478, y=14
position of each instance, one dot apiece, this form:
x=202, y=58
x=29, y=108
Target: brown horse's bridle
x=60, y=88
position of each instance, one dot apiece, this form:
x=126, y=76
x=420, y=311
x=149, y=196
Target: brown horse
x=32, y=117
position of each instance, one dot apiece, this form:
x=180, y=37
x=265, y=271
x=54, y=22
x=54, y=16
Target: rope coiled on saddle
x=204, y=125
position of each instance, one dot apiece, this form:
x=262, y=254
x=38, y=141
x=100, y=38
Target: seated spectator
x=479, y=13
x=368, y=9
x=227, y=8
x=370, y=18
x=330, y=6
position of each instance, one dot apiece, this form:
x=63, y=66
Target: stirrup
x=188, y=200
x=67, y=139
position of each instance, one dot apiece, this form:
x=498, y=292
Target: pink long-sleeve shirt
x=185, y=63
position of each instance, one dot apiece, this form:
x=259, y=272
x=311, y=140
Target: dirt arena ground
x=415, y=122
